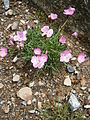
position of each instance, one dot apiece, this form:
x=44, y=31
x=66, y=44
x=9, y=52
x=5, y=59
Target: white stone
x=31, y=84
x=34, y=100
x=16, y=78
x=67, y=81
x=32, y=111
x=29, y=102
x=5, y=108
x=15, y=59
x=14, y=25
x=39, y=105
x=1, y=85
x=87, y=106
x=89, y=97
x=22, y=21
x=73, y=91
x=27, y=10
x=8, y=26
x=25, y=93
x=41, y=83
x=83, y=88
x=36, y=93
x=74, y=58
x=77, y=72
x=10, y=12
x=73, y=101
x=89, y=90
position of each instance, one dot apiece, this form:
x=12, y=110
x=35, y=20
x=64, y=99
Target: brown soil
x=51, y=88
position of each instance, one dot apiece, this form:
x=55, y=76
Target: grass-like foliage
x=61, y=112
x=50, y=45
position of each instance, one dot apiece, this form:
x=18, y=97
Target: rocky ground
x=16, y=78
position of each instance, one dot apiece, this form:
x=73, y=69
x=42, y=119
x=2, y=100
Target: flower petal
x=50, y=32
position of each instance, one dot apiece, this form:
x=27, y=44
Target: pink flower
x=46, y=31
x=62, y=40
x=38, y=61
x=11, y=40
x=3, y=52
x=37, y=51
x=21, y=36
x=81, y=57
x=69, y=11
x=41, y=62
x=65, y=56
x=50, y=32
x=35, y=61
x=75, y=34
x=53, y=16
x=44, y=57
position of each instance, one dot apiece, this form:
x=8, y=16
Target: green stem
x=60, y=28
x=65, y=63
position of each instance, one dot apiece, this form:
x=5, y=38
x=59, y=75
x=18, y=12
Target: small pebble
x=1, y=85
x=32, y=111
x=73, y=101
x=31, y=84
x=15, y=59
x=29, y=102
x=89, y=90
x=89, y=97
x=70, y=69
x=24, y=103
x=67, y=81
x=77, y=43
x=36, y=93
x=39, y=105
x=77, y=65
x=74, y=58
x=34, y=100
x=9, y=12
x=5, y=108
x=87, y=106
x=15, y=25
x=41, y=83
x=83, y=88
x=73, y=91
x=16, y=78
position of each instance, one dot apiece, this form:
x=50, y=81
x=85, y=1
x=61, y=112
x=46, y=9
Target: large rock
x=25, y=93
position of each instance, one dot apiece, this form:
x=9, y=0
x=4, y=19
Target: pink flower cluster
x=46, y=31
x=52, y=16
x=65, y=56
x=3, y=52
x=18, y=39
x=39, y=60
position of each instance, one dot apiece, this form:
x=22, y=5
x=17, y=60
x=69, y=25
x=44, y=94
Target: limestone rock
x=25, y=93
x=1, y=85
x=16, y=78
x=67, y=81
x=14, y=25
